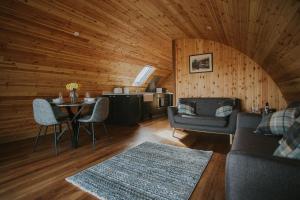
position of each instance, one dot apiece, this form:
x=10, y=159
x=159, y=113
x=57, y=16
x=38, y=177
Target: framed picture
x=201, y=63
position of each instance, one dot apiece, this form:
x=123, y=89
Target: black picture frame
x=201, y=63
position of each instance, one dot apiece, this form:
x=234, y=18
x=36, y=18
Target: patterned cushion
x=290, y=144
x=186, y=108
x=224, y=111
x=278, y=123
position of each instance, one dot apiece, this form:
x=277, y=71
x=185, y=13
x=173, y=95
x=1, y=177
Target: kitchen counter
x=136, y=93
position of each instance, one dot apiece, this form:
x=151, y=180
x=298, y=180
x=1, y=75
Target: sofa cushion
x=279, y=122
x=223, y=111
x=201, y=120
x=290, y=145
x=247, y=141
x=186, y=108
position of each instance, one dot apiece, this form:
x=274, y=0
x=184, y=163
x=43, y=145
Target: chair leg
x=93, y=135
x=37, y=138
x=46, y=131
x=55, y=140
x=105, y=129
x=78, y=131
x=70, y=130
x=69, y=127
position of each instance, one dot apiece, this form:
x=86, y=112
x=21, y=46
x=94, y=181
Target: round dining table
x=73, y=116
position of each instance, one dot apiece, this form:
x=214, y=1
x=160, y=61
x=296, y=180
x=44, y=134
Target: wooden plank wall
x=169, y=83
x=39, y=54
x=234, y=75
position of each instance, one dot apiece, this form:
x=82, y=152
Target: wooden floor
x=40, y=175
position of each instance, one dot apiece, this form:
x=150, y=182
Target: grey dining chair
x=59, y=114
x=44, y=116
x=98, y=115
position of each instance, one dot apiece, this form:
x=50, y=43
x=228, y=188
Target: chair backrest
x=43, y=113
x=56, y=110
x=101, y=110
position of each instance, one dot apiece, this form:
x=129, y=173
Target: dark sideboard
x=130, y=109
x=124, y=109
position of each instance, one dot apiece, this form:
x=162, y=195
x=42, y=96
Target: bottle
x=60, y=97
x=267, y=108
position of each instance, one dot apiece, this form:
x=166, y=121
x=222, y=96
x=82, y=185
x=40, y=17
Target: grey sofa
x=205, y=119
x=252, y=172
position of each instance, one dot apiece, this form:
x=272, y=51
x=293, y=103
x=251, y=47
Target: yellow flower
x=72, y=86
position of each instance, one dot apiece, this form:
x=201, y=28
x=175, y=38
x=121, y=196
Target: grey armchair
x=45, y=116
x=99, y=115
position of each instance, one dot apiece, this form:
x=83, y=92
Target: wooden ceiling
x=268, y=31
x=132, y=33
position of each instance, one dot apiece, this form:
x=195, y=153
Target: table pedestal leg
x=74, y=127
x=75, y=134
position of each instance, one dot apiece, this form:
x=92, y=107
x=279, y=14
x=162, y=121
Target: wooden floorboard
x=40, y=175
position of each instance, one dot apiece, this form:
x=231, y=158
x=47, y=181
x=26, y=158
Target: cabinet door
x=134, y=109
x=110, y=117
x=119, y=109
x=125, y=109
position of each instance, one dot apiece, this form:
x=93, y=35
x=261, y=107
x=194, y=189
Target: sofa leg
x=230, y=139
x=173, y=134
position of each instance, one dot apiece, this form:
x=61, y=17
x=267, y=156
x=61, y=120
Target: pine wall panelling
x=39, y=54
x=234, y=75
x=169, y=83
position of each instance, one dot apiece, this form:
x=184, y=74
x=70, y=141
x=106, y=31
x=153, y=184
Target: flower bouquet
x=73, y=87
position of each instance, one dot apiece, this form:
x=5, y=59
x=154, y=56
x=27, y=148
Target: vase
x=73, y=96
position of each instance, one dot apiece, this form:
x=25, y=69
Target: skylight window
x=143, y=75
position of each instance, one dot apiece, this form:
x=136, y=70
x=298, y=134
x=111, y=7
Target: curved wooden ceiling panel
x=268, y=31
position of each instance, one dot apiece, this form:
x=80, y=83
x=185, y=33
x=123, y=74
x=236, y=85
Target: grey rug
x=147, y=171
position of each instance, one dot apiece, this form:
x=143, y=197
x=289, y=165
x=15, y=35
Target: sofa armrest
x=172, y=111
x=248, y=120
x=252, y=177
x=232, y=121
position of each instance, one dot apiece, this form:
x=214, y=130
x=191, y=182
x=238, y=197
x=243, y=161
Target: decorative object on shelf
x=267, y=108
x=73, y=87
x=201, y=63
x=118, y=90
x=255, y=109
x=126, y=90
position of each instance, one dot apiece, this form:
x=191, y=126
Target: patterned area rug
x=147, y=171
